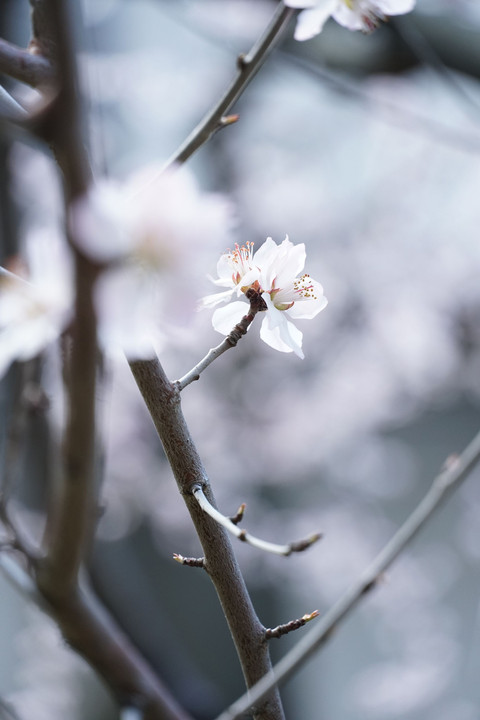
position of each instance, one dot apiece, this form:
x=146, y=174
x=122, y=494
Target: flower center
x=370, y=18
x=241, y=260
x=303, y=286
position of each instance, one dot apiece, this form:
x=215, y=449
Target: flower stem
x=256, y=305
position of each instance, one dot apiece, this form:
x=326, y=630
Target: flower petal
x=395, y=7
x=307, y=308
x=299, y=3
x=310, y=22
x=225, y=318
x=284, y=337
x=279, y=264
x=210, y=301
x=351, y=18
x=98, y=221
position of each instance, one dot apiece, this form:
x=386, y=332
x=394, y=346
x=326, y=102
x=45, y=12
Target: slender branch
x=391, y=113
x=28, y=396
x=248, y=66
x=455, y=471
x=25, y=66
x=162, y=399
x=289, y=627
x=10, y=109
x=22, y=582
x=18, y=538
x=7, y=711
x=244, y=536
x=190, y=561
x=257, y=304
x=18, y=422
x=420, y=46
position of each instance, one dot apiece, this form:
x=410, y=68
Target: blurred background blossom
x=366, y=150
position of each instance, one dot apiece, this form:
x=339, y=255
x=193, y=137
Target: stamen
x=241, y=259
x=304, y=287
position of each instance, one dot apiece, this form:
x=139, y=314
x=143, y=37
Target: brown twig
x=257, y=304
x=280, y=630
x=190, y=561
x=245, y=536
x=23, y=65
x=247, y=66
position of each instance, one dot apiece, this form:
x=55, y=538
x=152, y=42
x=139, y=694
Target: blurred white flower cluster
x=272, y=272
x=362, y=15
x=142, y=234
x=34, y=312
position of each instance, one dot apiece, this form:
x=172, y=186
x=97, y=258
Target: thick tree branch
x=248, y=65
x=88, y=628
x=70, y=519
x=455, y=472
x=10, y=109
x=162, y=399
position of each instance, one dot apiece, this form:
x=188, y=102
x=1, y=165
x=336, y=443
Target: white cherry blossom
x=143, y=231
x=362, y=15
x=274, y=272
x=154, y=217
x=34, y=311
x=236, y=271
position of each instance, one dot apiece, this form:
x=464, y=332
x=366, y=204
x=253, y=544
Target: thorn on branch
x=237, y=518
x=280, y=630
x=190, y=561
